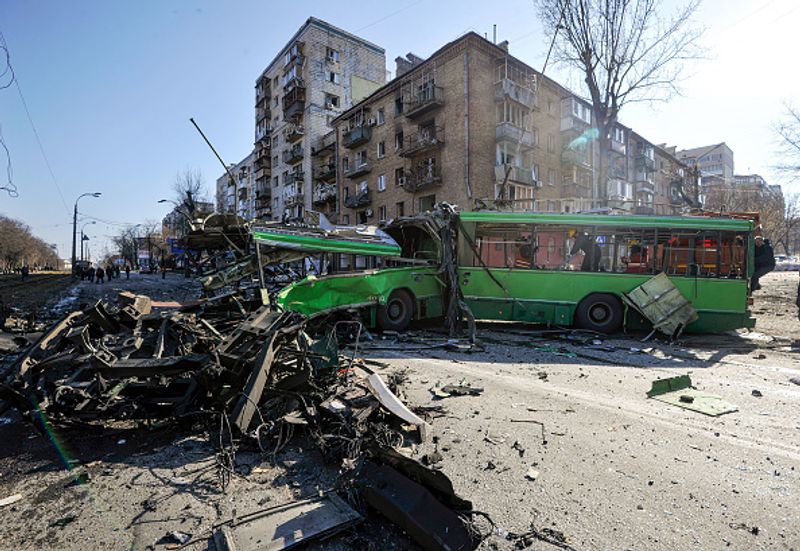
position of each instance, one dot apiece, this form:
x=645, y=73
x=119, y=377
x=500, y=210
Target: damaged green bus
x=544, y=268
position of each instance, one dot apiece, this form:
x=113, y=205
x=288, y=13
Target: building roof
x=698, y=152
x=327, y=27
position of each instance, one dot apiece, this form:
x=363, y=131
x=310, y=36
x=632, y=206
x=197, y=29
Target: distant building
x=715, y=163
x=238, y=194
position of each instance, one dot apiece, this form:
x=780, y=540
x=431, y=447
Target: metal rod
x=235, y=191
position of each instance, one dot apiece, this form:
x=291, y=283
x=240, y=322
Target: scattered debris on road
x=678, y=391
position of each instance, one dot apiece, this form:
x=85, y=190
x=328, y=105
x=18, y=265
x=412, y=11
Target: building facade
x=320, y=72
x=715, y=163
x=239, y=194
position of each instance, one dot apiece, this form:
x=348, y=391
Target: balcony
x=358, y=169
x=576, y=157
x=357, y=136
x=518, y=174
x=325, y=143
x=645, y=185
x=360, y=199
x=422, y=142
x=325, y=172
x=263, y=199
x=424, y=100
x=617, y=147
x=645, y=162
x=293, y=132
x=294, y=177
x=324, y=193
x=574, y=124
x=574, y=190
x=422, y=178
x=294, y=101
x=507, y=88
x=293, y=199
x=293, y=154
x=508, y=132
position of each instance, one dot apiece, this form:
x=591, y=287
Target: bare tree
x=188, y=187
x=625, y=50
x=788, y=130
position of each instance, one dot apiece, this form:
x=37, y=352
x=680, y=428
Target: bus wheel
x=396, y=314
x=599, y=312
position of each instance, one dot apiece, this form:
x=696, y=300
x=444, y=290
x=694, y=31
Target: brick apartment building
x=473, y=125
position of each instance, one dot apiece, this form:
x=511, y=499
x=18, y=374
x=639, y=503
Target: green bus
x=544, y=268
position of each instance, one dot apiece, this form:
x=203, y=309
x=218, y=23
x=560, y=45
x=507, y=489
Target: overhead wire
x=15, y=81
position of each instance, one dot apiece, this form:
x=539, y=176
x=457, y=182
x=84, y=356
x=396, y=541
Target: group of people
x=99, y=274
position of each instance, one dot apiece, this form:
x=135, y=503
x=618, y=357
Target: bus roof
x=628, y=220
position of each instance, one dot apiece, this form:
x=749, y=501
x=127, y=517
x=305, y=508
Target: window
x=399, y=176
x=363, y=187
x=331, y=101
x=427, y=202
x=400, y=208
x=550, y=105
x=275, y=100
x=381, y=116
x=551, y=177
x=362, y=217
x=618, y=134
x=275, y=181
x=346, y=219
x=346, y=164
x=398, y=106
x=398, y=141
x=361, y=158
x=333, y=77
x=332, y=55
x=382, y=213
x=346, y=193
x=535, y=167
x=382, y=183
x=274, y=160
x=551, y=143
x=381, y=150
x=535, y=136
x=275, y=82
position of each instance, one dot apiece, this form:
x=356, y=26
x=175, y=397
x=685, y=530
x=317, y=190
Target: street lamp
x=75, y=224
x=85, y=237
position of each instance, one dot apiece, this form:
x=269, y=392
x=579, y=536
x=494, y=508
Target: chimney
x=404, y=65
x=504, y=45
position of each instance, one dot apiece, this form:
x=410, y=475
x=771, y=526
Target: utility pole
x=75, y=226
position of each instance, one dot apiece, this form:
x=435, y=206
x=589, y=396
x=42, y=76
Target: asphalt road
x=614, y=470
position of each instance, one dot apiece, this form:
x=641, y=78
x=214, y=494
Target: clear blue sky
x=111, y=87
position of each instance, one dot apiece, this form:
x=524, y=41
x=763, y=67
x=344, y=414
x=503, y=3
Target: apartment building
x=239, y=194
x=471, y=125
x=714, y=161
x=321, y=71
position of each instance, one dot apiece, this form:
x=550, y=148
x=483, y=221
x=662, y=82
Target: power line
x=385, y=17
x=30, y=120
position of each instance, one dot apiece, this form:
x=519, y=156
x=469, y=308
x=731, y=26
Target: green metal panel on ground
x=678, y=391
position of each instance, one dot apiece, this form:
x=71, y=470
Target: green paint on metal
x=628, y=221
x=325, y=244
x=662, y=303
x=313, y=295
x=678, y=391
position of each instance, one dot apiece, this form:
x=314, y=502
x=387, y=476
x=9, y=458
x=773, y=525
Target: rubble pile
x=259, y=375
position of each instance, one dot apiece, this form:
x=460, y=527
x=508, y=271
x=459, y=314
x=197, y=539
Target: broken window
x=381, y=116
x=427, y=202
x=398, y=141
x=332, y=55
x=398, y=106
x=381, y=149
x=401, y=209
x=333, y=77
x=331, y=101
x=399, y=176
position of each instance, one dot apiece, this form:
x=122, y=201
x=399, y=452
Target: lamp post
x=75, y=224
x=85, y=237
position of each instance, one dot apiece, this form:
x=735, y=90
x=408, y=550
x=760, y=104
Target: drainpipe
x=467, y=184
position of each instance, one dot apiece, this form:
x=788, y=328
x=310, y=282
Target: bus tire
x=601, y=312
x=398, y=311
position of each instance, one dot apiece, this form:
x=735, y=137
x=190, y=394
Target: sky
x=110, y=87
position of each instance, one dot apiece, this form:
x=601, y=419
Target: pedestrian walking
x=764, y=262
x=25, y=271
x=99, y=274
x=116, y=271
x=109, y=273
x=127, y=271
x=163, y=271
x=91, y=272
